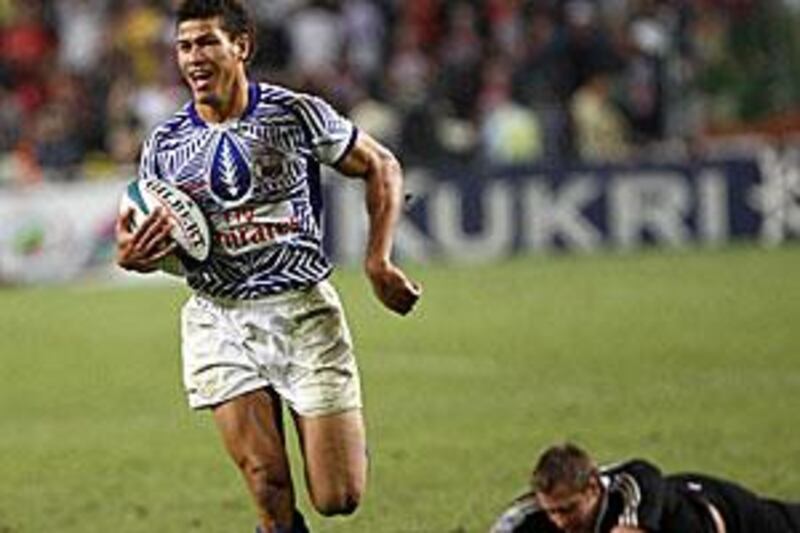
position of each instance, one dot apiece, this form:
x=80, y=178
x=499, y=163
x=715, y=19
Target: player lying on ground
x=572, y=495
x=263, y=326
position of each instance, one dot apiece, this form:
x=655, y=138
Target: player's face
x=570, y=510
x=209, y=60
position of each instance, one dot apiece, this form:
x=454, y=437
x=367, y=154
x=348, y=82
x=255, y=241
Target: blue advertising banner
x=477, y=215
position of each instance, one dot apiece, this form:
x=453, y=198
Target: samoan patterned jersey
x=257, y=179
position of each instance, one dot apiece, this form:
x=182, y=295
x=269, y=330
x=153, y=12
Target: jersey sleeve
x=642, y=488
x=331, y=135
x=147, y=160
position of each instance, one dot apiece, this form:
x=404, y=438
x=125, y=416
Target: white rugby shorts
x=297, y=343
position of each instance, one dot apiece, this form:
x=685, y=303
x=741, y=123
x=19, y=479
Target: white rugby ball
x=189, y=226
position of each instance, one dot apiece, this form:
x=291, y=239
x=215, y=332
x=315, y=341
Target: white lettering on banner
x=656, y=204
x=350, y=222
x=412, y=243
x=582, y=212
x=550, y=213
x=713, y=215
x=447, y=222
x=778, y=196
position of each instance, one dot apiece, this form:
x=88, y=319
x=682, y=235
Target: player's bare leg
x=335, y=452
x=252, y=430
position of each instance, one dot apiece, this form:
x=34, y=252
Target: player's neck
x=231, y=106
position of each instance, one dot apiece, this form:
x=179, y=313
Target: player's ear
x=594, y=484
x=242, y=47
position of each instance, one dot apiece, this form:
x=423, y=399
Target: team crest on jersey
x=231, y=177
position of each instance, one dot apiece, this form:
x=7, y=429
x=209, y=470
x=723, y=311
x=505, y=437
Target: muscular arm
x=381, y=171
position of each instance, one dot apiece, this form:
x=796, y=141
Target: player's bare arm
x=383, y=175
x=140, y=250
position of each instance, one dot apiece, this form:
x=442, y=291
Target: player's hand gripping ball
x=189, y=226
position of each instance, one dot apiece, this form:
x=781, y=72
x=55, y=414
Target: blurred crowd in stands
x=471, y=81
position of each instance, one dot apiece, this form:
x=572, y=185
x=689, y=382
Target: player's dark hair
x=564, y=464
x=235, y=19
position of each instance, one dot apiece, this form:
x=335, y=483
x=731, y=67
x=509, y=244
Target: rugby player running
x=263, y=326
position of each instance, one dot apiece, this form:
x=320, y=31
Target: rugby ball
x=189, y=226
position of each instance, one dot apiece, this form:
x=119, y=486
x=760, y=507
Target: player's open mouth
x=200, y=79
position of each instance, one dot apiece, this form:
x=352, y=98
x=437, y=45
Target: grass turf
x=687, y=358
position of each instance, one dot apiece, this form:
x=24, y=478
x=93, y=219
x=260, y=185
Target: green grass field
x=691, y=359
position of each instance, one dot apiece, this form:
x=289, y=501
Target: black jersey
x=742, y=510
x=636, y=494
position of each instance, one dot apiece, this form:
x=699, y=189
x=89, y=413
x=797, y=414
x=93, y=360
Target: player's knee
x=270, y=486
x=338, y=502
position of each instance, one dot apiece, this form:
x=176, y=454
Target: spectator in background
x=538, y=70
x=460, y=57
x=273, y=55
x=5, y=11
x=365, y=34
x=81, y=26
x=381, y=120
x=587, y=45
x=10, y=120
x=27, y=46
x=410, y=72
x=644, y=78
x=58, y=149
x=510, y=132
x=540, y=82
x=139, y=30
x=133, y=109
x=62, y=126
x=601, y=131
x=409, y=88
x=422, y=17
x=316, y=38
x=506, y=26
x=82, y=43
x=13, y=163
x=150, y=102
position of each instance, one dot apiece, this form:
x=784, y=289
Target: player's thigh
x=252, y=430
x=335, y=452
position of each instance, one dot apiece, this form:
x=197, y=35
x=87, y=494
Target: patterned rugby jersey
x=257, y=179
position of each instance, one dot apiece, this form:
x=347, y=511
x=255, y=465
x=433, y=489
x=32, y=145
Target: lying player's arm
x=141, y=250
x=643, y=492
x=374, y=163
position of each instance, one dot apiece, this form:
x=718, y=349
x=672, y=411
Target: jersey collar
x=253, y=96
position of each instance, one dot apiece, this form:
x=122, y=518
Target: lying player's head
x=567, y=487
x=215, y=40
